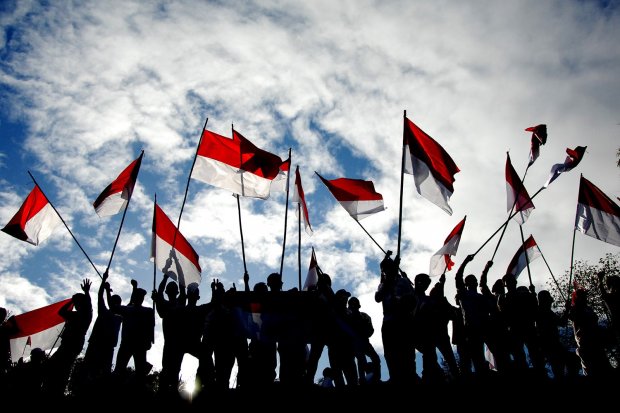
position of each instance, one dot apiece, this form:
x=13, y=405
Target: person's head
x=138, y=296
x=115, y=302
x=328, y=372
x=342, y=296
x=193, y=293
x=274, y=281
x=354, y=304
x=471, y=282
x=545, y=300
x=324, y=282
x=172, y=290
x=37, y=355
x=510, y=282
x=3, y=314
x=498, y=288
x=261, y=287
x=421, y=282
x=580, y=297
x=79, y=301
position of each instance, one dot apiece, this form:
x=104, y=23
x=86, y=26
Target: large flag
x=527, y=252
x=312, y=278
x=517, y=196
x=185, y=263
x=300, y=198
x=597, y=215
x=238, y=165
x=574, y=156
x=35, y=220
x=37, y=328
x=432, y=168
x=358, y=197
x=440, y=261
x=115, y=196
x=539, y=137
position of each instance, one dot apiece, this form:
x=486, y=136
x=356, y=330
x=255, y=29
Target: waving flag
x=528, y=252
x=237, y=165
x=440, y=261
x=517, y=198
x=115, y=196
x=572, y=160
x=598, y=216
x=300, y=198
x=185, y=260
x=432, y=168
x=313, y=276
x=35, y=220
x=539, y=137
x=279, y=182
x=358, y=197
x=37, y=328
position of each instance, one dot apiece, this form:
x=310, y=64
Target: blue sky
x=86, y=85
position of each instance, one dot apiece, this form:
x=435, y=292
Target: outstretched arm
x=460, y=284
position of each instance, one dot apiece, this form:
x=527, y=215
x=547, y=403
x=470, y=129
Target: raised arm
x=484, y=286
x=460, y=284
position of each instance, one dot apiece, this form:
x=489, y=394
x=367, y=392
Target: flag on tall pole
x=186, y=264
x=598, y=216
x=357, y=197
x=312, y=278
x=116, y=196
x=35, y=220
x=539, y=137
x=517, y=196
x=441, y=261
x=526, y=253
x=432, y=167
x=39, y=327
x=300, y=198
x=574, y=156
x=238, y=165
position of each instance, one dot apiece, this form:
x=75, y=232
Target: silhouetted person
x=324, y=323
x=547, y=324
x=340, y=345
x=104, y=336
x=444, y=313
x=72, y=337
x=426, y=318
x=28, y=375
x=609, y=286
x=327, y=381
x=5, y=345
x=361, y=323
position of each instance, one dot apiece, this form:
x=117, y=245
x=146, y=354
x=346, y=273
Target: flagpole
x=505, y=222
x=572, y=252
x=299, y=242
x=56, y=341
x=402, y=176
x=511, y=209
x=24, y=350
x=122, y=221
x=189, y=177
x=288, y=177
x=63, y=221
x=527, y=259
x=373, y=240
x=552, y=276
x=245, y=269
x=155, y=246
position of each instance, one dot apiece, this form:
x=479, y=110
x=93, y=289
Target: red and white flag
x=574, y=156
x=35, y=220
x=37, y=328
x=528, y=252
x=115, y=196
x=238, y=165
x=597, y=215
x=441, y=261
x=517, y=198
x=358, y=197
x=185, y=265
x=300, y=198
x=312, y=278
x=539, y=137
x=432, y=168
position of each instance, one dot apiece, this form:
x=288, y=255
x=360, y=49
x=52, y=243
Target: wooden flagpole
x=122, y=221
x=66, y=226
x=154, y=246
x=245, y=268
x=299, y=241
x=288, y=177
x=552, y=276
x=527, y=259
x=373, y=240
x=402, y=176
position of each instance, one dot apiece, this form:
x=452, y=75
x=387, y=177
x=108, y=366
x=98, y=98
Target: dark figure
x=27, y=377
x=262, y=360
x=72, y=337
x=361, y=324
x=547, y=324
x=340, y=345
x=324, y=323
x=426, y=319
x=104, y=337
x=610, y=292
x=444, y=313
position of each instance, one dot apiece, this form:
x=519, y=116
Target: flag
x=358, y=197
x=115, y=196
x=517, y=198
x=597, y=215
x=161, y=249
x=300, y=198
x=539, y=137
x=312, y=278
x=440, y=261
x=237, y=165
x=279, y=182
x=571, y=161
x=35, y=220
x=432, y=168
x=37, y=328
x=530, y=250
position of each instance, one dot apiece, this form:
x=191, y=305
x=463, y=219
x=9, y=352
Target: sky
x=86, y=85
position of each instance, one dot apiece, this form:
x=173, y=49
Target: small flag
x=300, y=198
x=441, y=261
x=519, y=260
x=572, y=160
x=515, y=190
x=115, y=196
x=356, y=196
x=539, y=137
x=312, y=278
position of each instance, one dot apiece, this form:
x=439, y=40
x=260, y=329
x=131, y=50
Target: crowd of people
x=277, y=337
